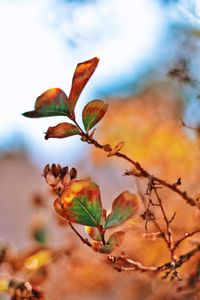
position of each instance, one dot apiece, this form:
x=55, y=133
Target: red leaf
x=81, y=202
x=123, y=208
x=53, y=102
x=93, y=112
x=61, y=130
x=81, y=76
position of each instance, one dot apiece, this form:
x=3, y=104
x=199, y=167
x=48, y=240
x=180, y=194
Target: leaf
x=94, y=233
x=123, y=208
x=114, y=241
x=40, y=236
x=37, y=260
x=61, y=130
x=93, y=112
x=82, y=74
x=53, y=102
x=81, y=203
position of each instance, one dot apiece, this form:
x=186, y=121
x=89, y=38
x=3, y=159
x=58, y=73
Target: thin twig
x=85, y=241
x=170, y=242
x=187, y=235
x=134, y=265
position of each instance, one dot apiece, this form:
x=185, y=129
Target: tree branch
x=142, y=171
x=134, y=265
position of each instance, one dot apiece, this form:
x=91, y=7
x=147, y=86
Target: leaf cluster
x=54, y=102
x=79, y=201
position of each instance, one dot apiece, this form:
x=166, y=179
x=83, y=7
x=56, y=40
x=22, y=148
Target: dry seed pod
x=56, y=170
x=66, y=180
x=73, y=173
x=46, y=170
x=52, y=180
x=64, y=171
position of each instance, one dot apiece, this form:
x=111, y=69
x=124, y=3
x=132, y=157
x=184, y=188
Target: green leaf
x=93, y=232
x=81, y=203
x=93, y=112
x=115, y=240
x=123, y=208
x=62, y=130
x=53, y=102
x=82, y=74
x=40, y=236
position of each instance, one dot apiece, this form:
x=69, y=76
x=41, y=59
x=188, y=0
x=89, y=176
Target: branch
x=187, y=235
x=170, y=243
x=172, y=266
x=85, y=241
x=142, y=172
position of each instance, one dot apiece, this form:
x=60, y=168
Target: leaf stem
x=85, y=241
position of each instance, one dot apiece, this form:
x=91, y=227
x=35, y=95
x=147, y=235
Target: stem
x=78, y=126
x=102, y=232
x=134, y=265
x=170, y=242
x=187, y=235
x=85, y=241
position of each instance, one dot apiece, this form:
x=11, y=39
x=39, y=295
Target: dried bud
x=83, y=138
x=56, y=170
x=51, y=180
x=64, y=171
x=59, y=178
x=37, y=294
x=66, y=180
x=58, y=189
x=133, y=172
x=46, y=170
x=73, y=173
x=107, y=148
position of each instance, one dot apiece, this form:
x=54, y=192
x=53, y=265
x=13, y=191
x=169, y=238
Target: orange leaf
x=61, y=130
x=123, y=208
x=81, y=76
x=93, y=112
x=53, y=102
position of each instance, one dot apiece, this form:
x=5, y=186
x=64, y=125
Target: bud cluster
x=58, y=178
x=24, y=290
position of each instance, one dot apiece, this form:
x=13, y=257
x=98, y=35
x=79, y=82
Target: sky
x=42, y=41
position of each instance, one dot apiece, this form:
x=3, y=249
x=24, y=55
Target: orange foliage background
x=151, y=128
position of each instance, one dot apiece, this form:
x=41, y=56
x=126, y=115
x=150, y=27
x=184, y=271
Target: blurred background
x=148, y=73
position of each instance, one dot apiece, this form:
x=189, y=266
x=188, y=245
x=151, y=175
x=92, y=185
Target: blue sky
x=42, y=41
